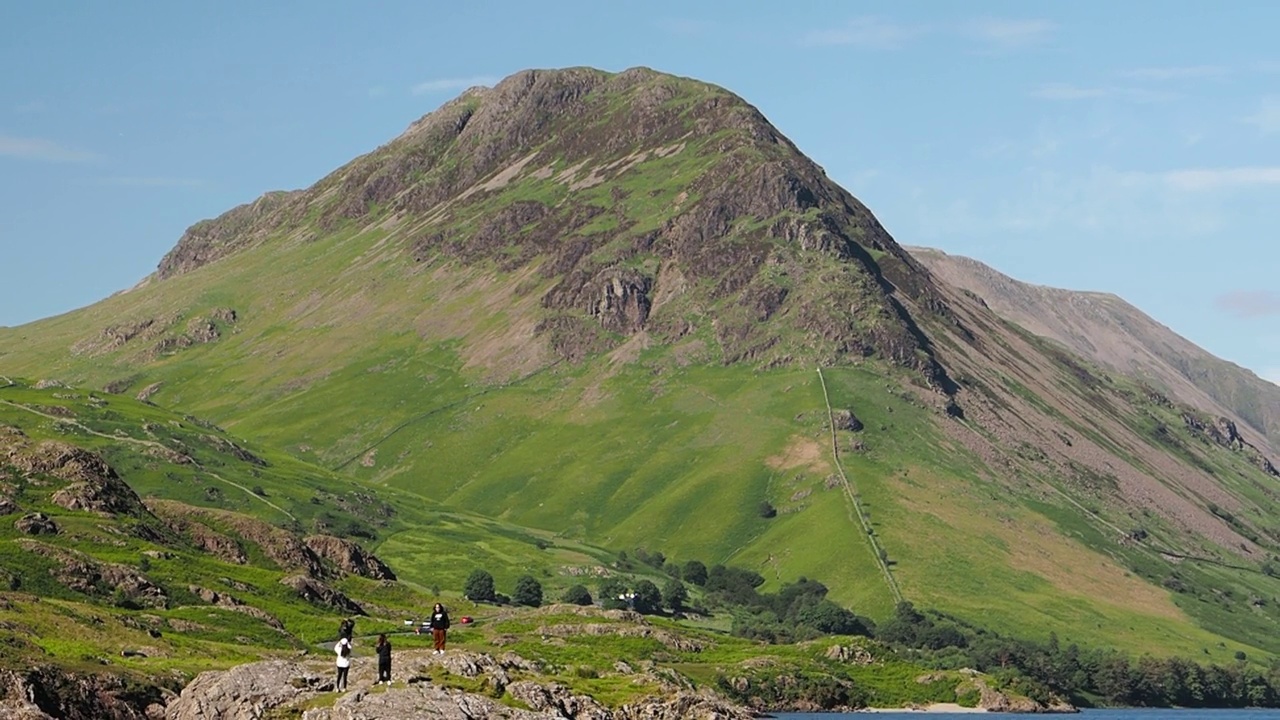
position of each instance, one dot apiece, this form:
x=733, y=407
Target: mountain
x=623, y=310
x=1118, y=336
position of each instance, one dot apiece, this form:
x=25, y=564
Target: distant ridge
x=1113, y=333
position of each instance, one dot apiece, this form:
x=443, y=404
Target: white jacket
x=337, y=649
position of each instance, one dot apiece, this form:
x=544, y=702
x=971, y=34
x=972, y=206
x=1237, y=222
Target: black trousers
x=384, y=670
x=341, y=682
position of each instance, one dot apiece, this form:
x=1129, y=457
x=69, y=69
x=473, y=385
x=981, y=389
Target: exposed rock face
x=94, y=487
x=1224, y=432
x=283, y=547
x=230, y=602
x=47, y=693
x=83, y=574
x=557, y=701
x=7, y=506
x=36, y=524
x=682, y=705
x=209, y=240
x=317, y=593
x=671, y=640
x=846, y=420
x=349, y=557
x=252, y=691
x=244, y=692
x=225, y=445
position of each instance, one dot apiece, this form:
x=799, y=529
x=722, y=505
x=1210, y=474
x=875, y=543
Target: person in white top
x=343, y=651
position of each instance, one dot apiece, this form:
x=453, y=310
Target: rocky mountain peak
x=646, y=197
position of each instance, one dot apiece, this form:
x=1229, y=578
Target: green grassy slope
x=95, y=628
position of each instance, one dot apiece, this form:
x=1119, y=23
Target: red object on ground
x=465, y=619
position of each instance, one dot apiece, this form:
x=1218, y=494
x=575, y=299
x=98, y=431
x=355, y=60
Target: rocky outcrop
x=49, y=693
x=282, y=547
x=230, y=602
x=557, y=701
x=222, y=444
x=281, y=688
x=36, y=524
x=83, y=574
x=245, y=692
x=644, y=630
x=846, y=420
x=317, y=593
x=95, y=486
x=680, y=706
x=1223, y=431
x=349, y=557
x=209, y=240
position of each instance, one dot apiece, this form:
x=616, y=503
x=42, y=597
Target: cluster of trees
x=798, y=611
x=1042, y=670
x=480, y=588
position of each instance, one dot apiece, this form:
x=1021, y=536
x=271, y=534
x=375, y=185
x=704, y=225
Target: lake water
x=1144, y=714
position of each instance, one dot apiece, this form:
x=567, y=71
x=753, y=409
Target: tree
x=528, y=592
x=694, y=572
x=648, y=598
x=610, y=589
x=479, y=587
x=577, y=595
x=674, y=595
x=828, y=617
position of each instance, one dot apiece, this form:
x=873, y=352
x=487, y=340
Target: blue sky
x=1128, y=147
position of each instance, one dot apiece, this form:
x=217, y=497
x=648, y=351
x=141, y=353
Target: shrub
x=577, y=595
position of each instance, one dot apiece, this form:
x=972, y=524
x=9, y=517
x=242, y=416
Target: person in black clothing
x=347, y=629
x=384, y=659
x=439, y=627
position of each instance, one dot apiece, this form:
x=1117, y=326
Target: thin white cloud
x=1267, y=119
x=871, y=33
x=1249, y=304
x=1067, y=92
x=1221, y=178
x=1185, y=72
x=444, y=84
x=1007, y=33
x=28, y=148
x=142, y=181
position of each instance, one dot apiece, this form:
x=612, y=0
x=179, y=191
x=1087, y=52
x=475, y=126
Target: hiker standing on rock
x=439, y=627
x=384, y=659
x=343, y=650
